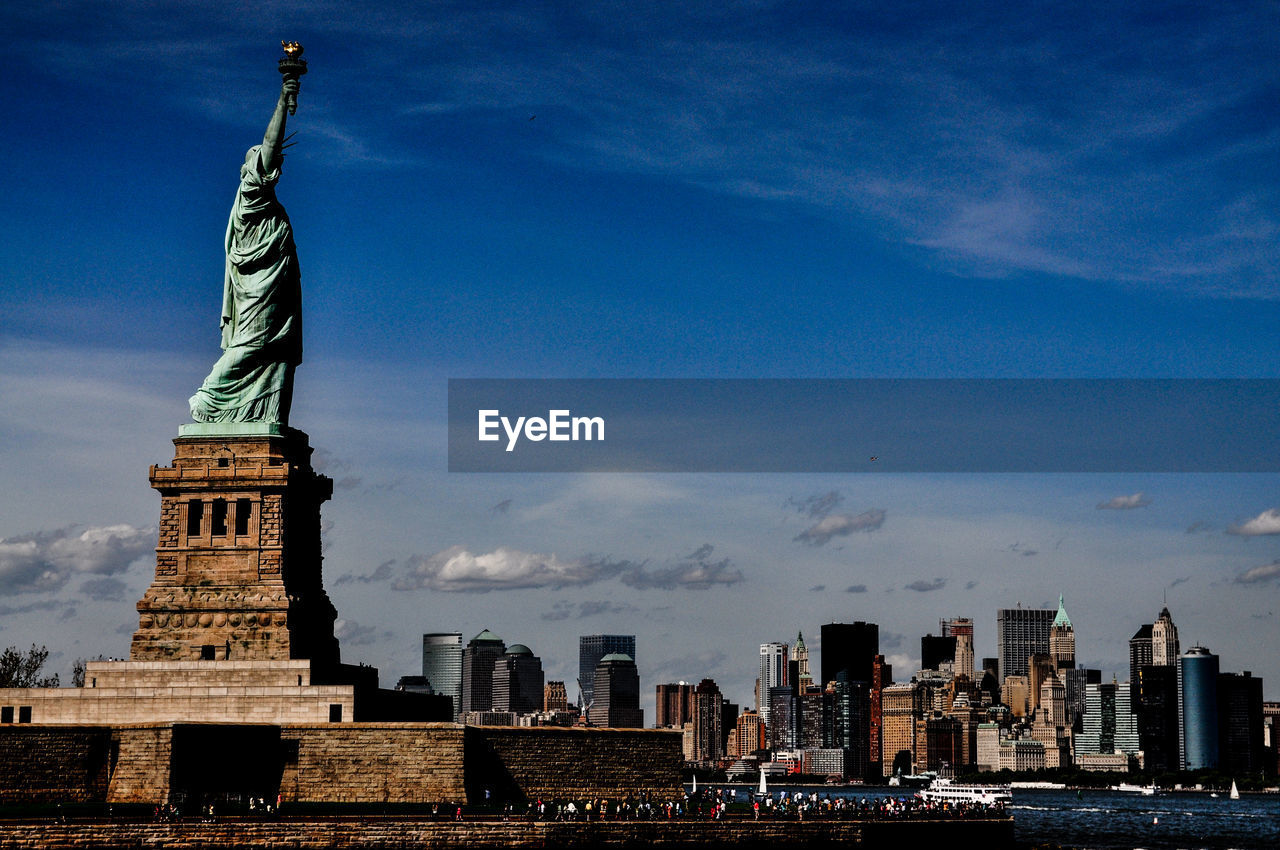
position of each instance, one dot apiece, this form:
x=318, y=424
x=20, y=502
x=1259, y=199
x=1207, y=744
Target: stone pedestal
x=238, y=562
x=236, y=627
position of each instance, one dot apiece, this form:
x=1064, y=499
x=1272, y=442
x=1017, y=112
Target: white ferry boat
x=946, y=791
x=1145, y=790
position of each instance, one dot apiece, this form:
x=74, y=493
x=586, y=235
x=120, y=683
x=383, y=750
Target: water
x=1113, y=820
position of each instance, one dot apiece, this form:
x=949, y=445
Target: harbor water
x=1114, y=820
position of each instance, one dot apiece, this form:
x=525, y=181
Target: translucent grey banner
x=864, y=425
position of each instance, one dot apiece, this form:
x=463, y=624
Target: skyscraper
x=849, y=653
x=784, y=716
x=881, y=678
x=1109, y=723
x=478, y=659
x=616, y=693
x=673, y=705
x=555, y=697
x=591, y=648
x=803, y=677
x=518, y=681
x=442, y=665
x=1139, y=652
x=1164, y=639
x=1155, y=700
x=1062, y=639
x=1022, y=633
x=708, y=720
x=1198, y=708
x=1240, y=725
x=773, y=674
x=961, y=628
x=936, y=651
x=851, y=647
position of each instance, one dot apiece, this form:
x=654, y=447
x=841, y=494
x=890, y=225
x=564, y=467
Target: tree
x=20, y=669
x=77, y=670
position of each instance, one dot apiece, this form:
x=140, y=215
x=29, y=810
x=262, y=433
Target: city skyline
x=499, y=191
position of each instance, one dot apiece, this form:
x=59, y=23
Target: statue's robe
x=261, y=309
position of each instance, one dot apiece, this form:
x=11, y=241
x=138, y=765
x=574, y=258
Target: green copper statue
x=262, y=295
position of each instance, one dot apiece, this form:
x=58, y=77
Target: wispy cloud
x=840, y=525
x=42, y=605
x=856, y=588
x=45, y=560
x=694, y=572
x=383, y=572
x=1258, y=575
x=1124, y=503
x=817, y=506
x=1267, y=522
x=1039, y=143
x=565, y=610
x=923, y=586
x=110, y=589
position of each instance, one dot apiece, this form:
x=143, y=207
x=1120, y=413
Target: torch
x=292, y=66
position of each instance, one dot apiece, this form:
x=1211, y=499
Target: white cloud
x=353, y=633
x=1124, y=503
x=457, y=569
x=45, y=560
x=1267, y=522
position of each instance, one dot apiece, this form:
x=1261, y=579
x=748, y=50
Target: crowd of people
x=706, y=804
x=719, y=803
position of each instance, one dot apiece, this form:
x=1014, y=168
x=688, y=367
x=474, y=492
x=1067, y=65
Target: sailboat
x=763, y=790
x=694, y=793
x=1235, y=792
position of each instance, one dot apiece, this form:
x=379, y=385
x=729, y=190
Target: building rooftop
x=1062, y=620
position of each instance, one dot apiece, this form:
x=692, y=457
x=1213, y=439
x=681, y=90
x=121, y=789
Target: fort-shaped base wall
x=333, y=763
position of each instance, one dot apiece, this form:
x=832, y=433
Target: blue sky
x=757, y=189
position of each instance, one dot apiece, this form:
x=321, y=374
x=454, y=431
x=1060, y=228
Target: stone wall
x=357, y=834
x=334, y=762
x=141, y=763
x=130, y=692
x=372, y=763
x=551, y=762
x=54, y=764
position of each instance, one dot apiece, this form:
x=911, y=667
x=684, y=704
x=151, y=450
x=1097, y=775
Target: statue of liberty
x=262, y=294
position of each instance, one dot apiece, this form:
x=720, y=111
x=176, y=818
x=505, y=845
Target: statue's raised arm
x=273, y=139
x=262, y=292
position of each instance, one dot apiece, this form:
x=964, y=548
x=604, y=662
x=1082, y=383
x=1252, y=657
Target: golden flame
x=292, y=48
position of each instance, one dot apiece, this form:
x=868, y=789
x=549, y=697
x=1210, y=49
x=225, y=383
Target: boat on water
x=946, y=791
x=1235, y=792
x=1145, y=790
x=912, y=780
